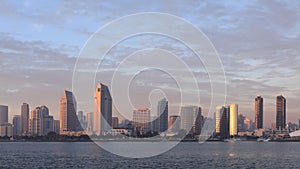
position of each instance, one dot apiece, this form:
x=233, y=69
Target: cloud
x=34, y=71
x=258, y=46
x=12, y=90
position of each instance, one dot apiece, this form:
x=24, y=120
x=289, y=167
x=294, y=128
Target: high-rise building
x=233, y=119
x=141, y=120
x=82, y=119
x=241, y=124
x=222, y=121
x=162, y=114
x=174, y=123
x=17, y=125
x=68, y=117
x=89, y=122
x=115, y=122
x=24, y=118
x=191, y=119
x=102, y=109
x=3, y=114
x=227, y=120
x=280, y=112
x=48, y=124
x=259, y=105
x=154, y=124
x=218, y=117
x=56, y=126
x=35, y=122
x=40, y=123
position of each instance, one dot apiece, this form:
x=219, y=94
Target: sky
x=257, y=41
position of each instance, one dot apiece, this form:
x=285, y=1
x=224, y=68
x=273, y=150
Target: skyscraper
x=154, y=124
x=40, y=123
x=280, y=112
x=162, y=114
x=68, y=117
x=81, y=119
x=35, y=122
x=89, y=122
x=48, y=124
x=102, y=109
x=56, y=126
x=17, y=125
x=3, y=114
x=218, y=117
x=241, y=124
x=233, y=119
x=24, y=118
x=259, y=104
x=191, y=119
x=227, y=120
x=141, y=120
x=174, y=123
x=222, y=121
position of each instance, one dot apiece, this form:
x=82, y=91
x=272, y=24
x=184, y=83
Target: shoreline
x=96, y=141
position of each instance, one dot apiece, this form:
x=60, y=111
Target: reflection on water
x=137, y=149
x=185, y=155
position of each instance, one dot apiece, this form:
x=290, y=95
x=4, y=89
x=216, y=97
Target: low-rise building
x=6, y=129
x=115, y=132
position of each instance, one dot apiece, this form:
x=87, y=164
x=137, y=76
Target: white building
x=102, y=110
x=295, y=134
x=115, y=132
x=40, y=123
x=191, y=119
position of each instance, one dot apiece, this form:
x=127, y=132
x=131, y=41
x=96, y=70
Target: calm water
x=185, y=155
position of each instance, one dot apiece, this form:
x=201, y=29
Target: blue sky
x=258, y=43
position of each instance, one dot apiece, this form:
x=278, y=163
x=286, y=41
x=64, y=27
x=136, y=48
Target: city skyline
x=280, y=109
x=115, y=113
x=149, y=84
x=38, y=52
x=228, y=120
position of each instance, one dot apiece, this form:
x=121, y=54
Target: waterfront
x=185, y=155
